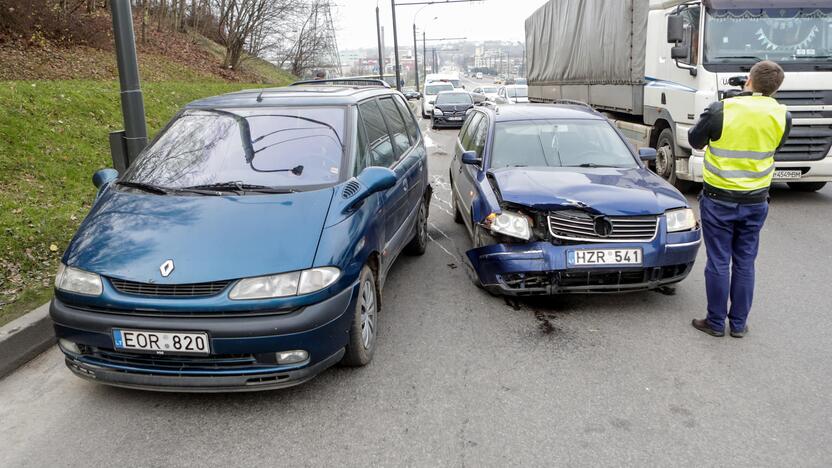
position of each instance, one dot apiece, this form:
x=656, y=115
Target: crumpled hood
x=610, y=191
x=129, y=235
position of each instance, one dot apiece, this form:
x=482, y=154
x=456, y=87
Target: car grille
x=216, y=362
x=806, y=142
x=579, y=226
x=169, y=290
x=595, y=280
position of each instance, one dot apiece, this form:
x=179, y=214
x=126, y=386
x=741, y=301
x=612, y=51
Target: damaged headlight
x=510, y=224
x=680, y=220
x=284, y=284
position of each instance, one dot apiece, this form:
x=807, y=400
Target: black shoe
x=702, y=325
x=739, y=333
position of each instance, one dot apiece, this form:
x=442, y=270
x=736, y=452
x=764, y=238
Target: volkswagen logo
x=166, y=268
x=603, y=226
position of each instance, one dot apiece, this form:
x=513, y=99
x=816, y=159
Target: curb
x=24, y=338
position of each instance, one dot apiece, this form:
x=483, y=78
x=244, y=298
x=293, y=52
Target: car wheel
x=666, y=160
x=806, y=186
x=419, y=243
x=364, y=327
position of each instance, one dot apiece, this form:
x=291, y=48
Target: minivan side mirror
x=470, y=157
x=371, y=180
x=675, y=29
x=103, y=177
x=647, y=154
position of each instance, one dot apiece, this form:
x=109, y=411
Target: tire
x=806, y=186
x=363, y=330
x=666, y=160
x=419, y=243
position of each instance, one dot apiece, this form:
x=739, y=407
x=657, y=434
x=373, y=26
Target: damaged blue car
x=555, y=201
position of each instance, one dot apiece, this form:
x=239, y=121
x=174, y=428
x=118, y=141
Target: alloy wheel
x=368, y=314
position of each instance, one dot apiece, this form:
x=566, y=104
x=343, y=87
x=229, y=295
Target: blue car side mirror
x=470, y=157
x=104, y=177
x=647, y=154
x=371, y=180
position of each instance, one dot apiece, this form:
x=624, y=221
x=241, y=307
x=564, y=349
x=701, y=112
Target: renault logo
x=166, y=268
x=603, y=226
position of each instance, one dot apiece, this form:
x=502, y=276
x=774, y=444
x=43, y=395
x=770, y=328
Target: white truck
x=653, y=66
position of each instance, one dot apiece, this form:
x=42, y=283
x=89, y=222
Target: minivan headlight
x=680, y=220
x=77, y=281
x=510, y=224
x=284, y=284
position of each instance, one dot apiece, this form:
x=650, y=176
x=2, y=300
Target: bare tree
x=307, y=48
x=246, y=25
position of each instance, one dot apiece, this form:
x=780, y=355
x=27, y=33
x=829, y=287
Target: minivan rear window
x=295, y=147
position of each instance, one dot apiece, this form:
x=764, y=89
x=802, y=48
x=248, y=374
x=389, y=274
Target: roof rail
x=572, y=102
x=344, y=81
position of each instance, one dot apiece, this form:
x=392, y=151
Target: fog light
x=69, y=346
x=292, y=357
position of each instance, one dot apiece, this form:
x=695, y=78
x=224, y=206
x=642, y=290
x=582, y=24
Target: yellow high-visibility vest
x=743, y=158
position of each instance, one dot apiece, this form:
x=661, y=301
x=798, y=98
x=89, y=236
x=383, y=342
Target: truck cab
x=698, y=52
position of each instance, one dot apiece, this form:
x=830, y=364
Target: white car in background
x=431, y=90
x=490, y=92
x=513, y=94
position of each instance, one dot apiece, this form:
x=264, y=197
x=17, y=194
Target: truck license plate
x=591, y=257
x=161, y=342
x=788, y=174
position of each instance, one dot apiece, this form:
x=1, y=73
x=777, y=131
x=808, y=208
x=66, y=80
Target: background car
x=431, y=90
x=513, y=94
x=451, y=108
x=248, y=245
x=490, y=92
x=411, y=93
x=555, y=201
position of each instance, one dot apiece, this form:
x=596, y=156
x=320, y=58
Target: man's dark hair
x=766, y=77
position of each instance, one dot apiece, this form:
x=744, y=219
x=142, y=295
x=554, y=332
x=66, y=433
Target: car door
x=380, y=152
x=406, y=167
x=466, y=174
x=417, y=156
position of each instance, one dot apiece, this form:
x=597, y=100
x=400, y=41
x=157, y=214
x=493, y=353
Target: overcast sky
x=355, y=21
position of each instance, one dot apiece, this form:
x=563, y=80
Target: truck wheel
x=666, y=160
x=419, y=243
x=806, y=186
x=364, y=327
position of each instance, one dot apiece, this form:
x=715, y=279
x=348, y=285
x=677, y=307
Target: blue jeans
x=732, y=237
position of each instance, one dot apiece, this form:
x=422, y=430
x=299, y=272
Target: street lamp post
x=396, y=47
x=380, y=53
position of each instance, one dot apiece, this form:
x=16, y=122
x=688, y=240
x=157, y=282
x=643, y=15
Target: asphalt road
x=461, y=378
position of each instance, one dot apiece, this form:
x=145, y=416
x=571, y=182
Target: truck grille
x=169, y=290
x=580, y=226
x=806, y=142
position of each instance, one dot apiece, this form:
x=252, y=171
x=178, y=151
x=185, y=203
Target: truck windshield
x=291, y=148
x=559, y=143
x=796, y=38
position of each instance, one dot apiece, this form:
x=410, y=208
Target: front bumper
x=540, y=268
x=813, y=171
x=441, y=121
x=242, y=348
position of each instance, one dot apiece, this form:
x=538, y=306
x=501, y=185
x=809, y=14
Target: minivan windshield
x=453, y=99
x=435, y=88
x=559, y=143
x=292, y=148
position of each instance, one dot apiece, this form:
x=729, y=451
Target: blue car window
x=395, y=122
x=378, y=139
x=480, y=135
x=409, y=122
x=467, y=134
x=295, y=148
x=559, y=143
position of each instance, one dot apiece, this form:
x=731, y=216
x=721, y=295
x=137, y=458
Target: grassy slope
x=53, y=137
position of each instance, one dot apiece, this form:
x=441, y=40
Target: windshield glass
x=456, y=83
x=559, y=143
x=489, y=90
x=454, y=98
x=432, y=89
x=256, y=146
x=786, y=35
x=521, y=91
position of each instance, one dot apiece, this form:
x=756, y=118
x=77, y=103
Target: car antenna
x=260, y=97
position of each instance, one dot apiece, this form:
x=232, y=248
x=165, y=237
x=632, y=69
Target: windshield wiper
x=752, y=57
x=145, y=187
x=234, y=186
x=595, y=166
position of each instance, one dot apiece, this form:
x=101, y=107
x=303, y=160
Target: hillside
x=58, y=105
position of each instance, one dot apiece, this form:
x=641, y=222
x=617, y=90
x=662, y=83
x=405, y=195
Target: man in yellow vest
x=742, y=134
